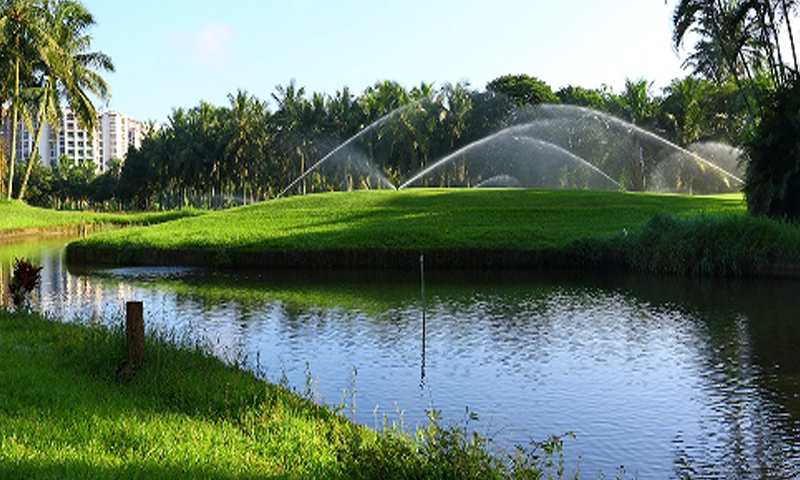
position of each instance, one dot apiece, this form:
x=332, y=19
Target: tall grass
x=702, y=245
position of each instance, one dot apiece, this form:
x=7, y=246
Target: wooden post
x=134, y=330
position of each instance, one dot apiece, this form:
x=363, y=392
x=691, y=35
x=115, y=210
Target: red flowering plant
x=24, y=281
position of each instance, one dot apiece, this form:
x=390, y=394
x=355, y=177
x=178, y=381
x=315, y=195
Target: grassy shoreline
x=386, y=229
x=19, y=221
x=186, y=414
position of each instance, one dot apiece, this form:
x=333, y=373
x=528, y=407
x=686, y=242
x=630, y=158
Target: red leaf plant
x=25, y=279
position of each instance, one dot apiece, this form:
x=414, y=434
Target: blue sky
x=171, y=53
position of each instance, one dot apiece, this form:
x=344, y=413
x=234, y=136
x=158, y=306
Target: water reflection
x=667, y=376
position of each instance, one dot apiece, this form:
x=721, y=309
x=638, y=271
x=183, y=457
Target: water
x=668, y=377
x=355, y=161
x=534, y=163
x=546, y=146
x=623, y=144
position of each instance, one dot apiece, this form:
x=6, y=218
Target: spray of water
x=373, y=170
x=571, y=156
x=600, y=143
x=515, y=133
x=608, y=120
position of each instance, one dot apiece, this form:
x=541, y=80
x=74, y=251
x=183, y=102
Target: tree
x=636, y=101
x=523, y=89
x=25, y=42
x=745, y=37
x=583, y=97
x=44, y=56
x=72, y=75
x=683, y=110
x=247, y=138
x=772, y=182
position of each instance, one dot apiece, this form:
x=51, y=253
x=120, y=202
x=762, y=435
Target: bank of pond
x=185, y=414
x=462, y=228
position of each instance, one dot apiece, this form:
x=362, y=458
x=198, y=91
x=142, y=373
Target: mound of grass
x=409, y=220
x=17, y=215
x=187, y=415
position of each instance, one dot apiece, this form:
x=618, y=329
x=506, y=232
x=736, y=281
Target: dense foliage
x=773, y=174
x=711, y=244
x=752, y=44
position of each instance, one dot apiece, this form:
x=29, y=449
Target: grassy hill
x=405, y=221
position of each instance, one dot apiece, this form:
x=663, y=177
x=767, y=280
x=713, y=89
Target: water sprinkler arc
x=347, y=142
x=634, y=129
x=516, y=133
x=571, y=156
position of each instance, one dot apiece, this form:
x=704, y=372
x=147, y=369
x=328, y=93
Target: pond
x=661, y=377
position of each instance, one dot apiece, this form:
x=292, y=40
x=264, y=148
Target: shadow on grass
x=75, y=469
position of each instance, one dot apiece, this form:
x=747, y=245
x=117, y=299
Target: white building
x=119, y=133
x=114, y=134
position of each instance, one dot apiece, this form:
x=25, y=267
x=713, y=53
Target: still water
x=663, y=377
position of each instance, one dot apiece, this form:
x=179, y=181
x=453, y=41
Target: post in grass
x=134, y=333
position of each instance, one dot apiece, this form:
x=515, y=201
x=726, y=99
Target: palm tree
x=637, y=104
x=683, y=108
x=727, y=46
x=787, y=6
x=25, y=42
x=71, y=74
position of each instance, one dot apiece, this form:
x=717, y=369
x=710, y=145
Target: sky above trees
x=171, y=54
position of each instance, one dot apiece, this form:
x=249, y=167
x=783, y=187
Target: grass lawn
x=18, y=215
x=416, y=219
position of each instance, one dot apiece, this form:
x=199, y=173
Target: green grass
x=187, y=415
x=414, y=219
x=704, y=245
x=17, y=215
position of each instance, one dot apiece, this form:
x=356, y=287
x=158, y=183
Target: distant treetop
x=523, y=89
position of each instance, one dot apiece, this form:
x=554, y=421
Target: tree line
x=211, y=156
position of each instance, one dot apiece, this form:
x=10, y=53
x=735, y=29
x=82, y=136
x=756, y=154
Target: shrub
x=24, y=281
x=772, y=183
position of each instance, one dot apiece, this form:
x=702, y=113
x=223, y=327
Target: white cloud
x=211, y=46
x=213, y=43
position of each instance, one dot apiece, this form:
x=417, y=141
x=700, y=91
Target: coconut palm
x=71, y=74
x=727, y=45
x=683, y=109
x=637, y=103
x=25, y=43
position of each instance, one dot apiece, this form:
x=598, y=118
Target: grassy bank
x=704, y=245
x=387, y=228
x=186, y=415
x=15, y=215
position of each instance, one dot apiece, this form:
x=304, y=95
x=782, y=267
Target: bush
x=772, y=183
x=702, y=245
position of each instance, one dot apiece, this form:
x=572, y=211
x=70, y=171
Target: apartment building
x=114, y=134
